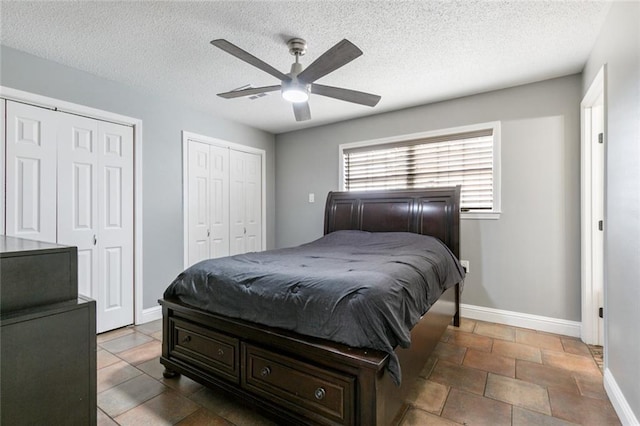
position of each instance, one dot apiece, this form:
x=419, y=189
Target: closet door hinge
x=601, y=312
x=600, y=225
x=600, y=137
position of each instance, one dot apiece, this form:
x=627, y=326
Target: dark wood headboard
x=429, y=211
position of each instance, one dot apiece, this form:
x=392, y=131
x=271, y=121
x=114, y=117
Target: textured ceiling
x=415, y=52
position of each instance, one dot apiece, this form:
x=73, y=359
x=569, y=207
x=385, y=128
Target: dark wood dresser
x=47, y=337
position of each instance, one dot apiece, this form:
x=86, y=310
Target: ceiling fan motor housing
x=297, y=46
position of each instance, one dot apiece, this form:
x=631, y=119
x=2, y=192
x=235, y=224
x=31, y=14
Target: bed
x=296, y=378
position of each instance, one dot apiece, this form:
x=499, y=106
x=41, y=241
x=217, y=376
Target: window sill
x=480, y=215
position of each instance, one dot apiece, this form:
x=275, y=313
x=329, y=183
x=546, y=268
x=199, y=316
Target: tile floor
x=480, y=374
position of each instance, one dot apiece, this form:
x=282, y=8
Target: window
x=466, y=156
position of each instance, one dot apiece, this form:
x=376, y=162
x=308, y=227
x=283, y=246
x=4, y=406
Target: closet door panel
x=199, y=194
x=245, y=202
x=253, y=203
x=219, y=201
x=115, y=226
x=237, y=201
x=77, y=205
x=30, y=172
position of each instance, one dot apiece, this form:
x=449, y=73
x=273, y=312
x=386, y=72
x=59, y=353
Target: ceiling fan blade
x=354, y=96
x=249, y=58
x=247, y=92
x=339, y=55
x=301, y=111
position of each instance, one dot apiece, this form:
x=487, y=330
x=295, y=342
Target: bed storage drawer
x=322, y=395
x=214, y=352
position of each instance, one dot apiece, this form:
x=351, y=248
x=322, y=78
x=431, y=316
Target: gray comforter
x=358, y=288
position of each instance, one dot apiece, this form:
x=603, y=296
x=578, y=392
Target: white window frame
x=471, y=214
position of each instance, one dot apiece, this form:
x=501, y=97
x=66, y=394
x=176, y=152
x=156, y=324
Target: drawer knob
x=320, y=393
x=220, y=352
x=186, y=339
x=265, y=371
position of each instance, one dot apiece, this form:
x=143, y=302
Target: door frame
x=589, y=256
x=186, y=137
x=140, y=315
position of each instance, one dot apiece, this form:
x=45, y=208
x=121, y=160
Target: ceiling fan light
x=295, y=94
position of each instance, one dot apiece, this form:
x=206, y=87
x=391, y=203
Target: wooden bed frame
x=296, y=379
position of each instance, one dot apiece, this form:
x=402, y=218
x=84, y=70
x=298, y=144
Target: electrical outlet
x=465, y=265
x=312, y=197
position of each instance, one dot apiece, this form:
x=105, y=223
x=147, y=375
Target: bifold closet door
x=208, y=201
x=95, y=212
x=31, y=134
x=245, y=202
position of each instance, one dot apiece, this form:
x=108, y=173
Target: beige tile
x=103, y=419
x=417, y=417
x=470, y=340
x=467, y=325
x=183, y=384
x=164, y=409
x=129, y=394
x=517, y=351
x=428, y=366
x=471, y=410
x=496, y=331
x=157, y=335
x=570, y=362
x=523, y=417
x=115, y=374
x=204, y=417
x=105, y=358
x=152, y=367
x=518, y=392
x=234, y=411
x=545, y=375
x=150, y=327
x=582, y=410
x=575, y=347
x=428, y=396
x=490, y=362
x=142, y=353
x=591, y=386
x=468, y=379
x=447, y=334
x=125, y=342
x=114, y=334
x=539, y=340
x=450, y=353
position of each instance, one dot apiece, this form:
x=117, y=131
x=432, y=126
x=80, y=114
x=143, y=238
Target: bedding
x=358, y=288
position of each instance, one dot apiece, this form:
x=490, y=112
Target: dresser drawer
x=214, y=352
x=299, y=386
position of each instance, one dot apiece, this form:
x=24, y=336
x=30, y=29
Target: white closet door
x=245, y=202
x=219, y=241
x=78, y=196
x=2, y=166
x=115, y=226
x=199, y=201
x=31, y=171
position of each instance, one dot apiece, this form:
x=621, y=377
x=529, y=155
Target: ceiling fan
x=298, y=84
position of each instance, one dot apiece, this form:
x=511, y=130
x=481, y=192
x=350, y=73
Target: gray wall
x=162, y=124
x=618, y=47
x=528, y=260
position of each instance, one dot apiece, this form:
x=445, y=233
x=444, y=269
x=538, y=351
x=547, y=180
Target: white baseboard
x=536, y=322
x=150, y=314
x=619, y=402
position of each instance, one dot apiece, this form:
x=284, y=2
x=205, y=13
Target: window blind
x=461, y=159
